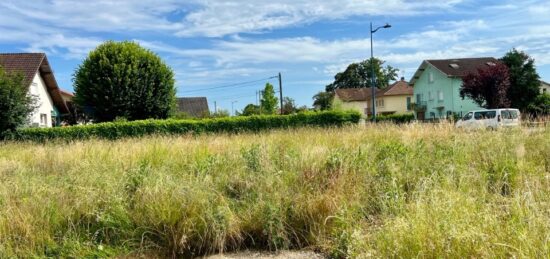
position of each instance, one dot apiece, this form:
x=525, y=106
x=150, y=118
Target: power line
x=234, y=85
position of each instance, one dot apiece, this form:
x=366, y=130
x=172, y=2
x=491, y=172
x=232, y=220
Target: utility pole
x=215, y=107
x=232, y=109
x=281, y=92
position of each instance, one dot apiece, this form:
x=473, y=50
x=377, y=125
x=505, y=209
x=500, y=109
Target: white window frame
x=430, y=77
x=440, y=95
x=430, y=96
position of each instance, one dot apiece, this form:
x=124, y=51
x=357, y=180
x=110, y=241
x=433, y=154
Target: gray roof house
x=193, y=106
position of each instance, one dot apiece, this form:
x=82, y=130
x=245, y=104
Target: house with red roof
x=40, y=81
x=394, y=99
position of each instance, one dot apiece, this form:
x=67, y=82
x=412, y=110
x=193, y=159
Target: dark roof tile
x=193, y=106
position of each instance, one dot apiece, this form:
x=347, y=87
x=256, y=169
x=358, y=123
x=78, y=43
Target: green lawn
x=376, y=191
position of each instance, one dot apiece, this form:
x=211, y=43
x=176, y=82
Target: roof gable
x=29, y=64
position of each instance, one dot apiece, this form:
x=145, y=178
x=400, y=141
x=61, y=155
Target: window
x=440, y=96
x=431, y=77
x=467, y=117
x=430, y=97
x=485, y=115
x=43, y=119
x=509, y=114
x=418, y=98
x=380, y=103
x=409, y=106
x=544, y=90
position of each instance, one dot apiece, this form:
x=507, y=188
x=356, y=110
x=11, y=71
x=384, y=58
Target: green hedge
x=116, y=130
x=396, y=118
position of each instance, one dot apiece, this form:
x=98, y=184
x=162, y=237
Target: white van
x=489, y=119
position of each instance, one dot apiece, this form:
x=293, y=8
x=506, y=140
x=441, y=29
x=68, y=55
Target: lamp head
x=387, y=26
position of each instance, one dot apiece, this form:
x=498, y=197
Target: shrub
x=122, y=79
x=396, y=118
x=15, y=104
x=112, y=130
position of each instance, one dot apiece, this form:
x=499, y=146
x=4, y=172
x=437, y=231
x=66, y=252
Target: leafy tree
x=524, y=80
x=250, y=109
x=541, y=105
x=268, y=102
x=220, y=113
x=16, y=105
x=488, y=87
x=122, y=79
x=289, y=105
x=323, y=100
x=359, y=75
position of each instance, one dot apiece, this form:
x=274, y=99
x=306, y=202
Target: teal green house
x=437, y=84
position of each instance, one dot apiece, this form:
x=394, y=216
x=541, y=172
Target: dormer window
x=491, y=64
x=454, y=66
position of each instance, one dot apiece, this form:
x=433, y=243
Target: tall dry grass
x=375, y=191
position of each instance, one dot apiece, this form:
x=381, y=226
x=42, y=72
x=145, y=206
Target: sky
x=215, y=47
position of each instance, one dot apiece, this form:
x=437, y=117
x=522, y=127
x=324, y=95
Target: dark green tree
x=124, y=80
x=16, y=105
x=540, y=106
x=323, y=100
x=359, y=75
x=250, y=109
x=268, y=102
x=524, y=80
x=289, y=105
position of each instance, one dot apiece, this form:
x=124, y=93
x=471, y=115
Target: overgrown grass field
x=424, y=191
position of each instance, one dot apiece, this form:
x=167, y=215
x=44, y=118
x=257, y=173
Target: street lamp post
x=373, y=86
x=232, y=110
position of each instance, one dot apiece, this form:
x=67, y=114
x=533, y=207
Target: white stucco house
x=40, y=82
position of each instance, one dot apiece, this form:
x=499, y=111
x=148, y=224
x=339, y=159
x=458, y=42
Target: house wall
x=359, y=106
x=544, y=88
x=394, y=104
x=450, y=88
x=43, y=101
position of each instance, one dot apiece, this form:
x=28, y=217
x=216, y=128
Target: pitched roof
x=193, y=106
x=28, y=64
x=354, y=94
x=400, y=87
x=457, y=67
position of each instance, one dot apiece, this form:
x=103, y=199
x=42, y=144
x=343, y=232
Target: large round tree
x=124, y=80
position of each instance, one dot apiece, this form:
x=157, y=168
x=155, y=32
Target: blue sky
x=211, y=43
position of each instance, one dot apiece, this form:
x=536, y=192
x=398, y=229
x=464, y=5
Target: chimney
x=402, y=78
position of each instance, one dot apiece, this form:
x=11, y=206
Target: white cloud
x=210, y=18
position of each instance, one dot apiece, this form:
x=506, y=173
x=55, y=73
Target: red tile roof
x=28, y=64
x=400, y=87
